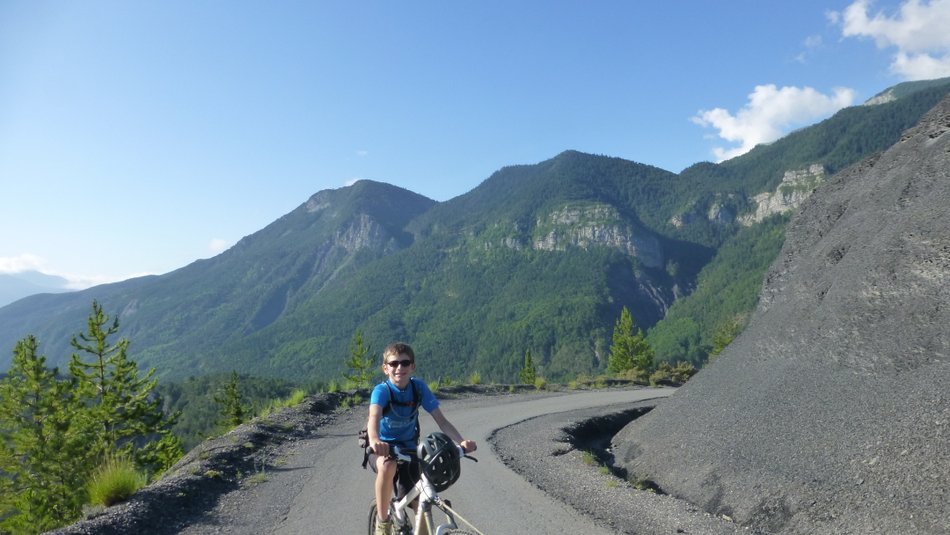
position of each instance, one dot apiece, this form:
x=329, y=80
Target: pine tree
x=360, y=362
x=233, y=411
x=528, y=372
x=45, y=439
x=629, y=349
x=127, y=410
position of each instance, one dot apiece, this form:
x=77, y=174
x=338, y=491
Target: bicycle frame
x=427, y=495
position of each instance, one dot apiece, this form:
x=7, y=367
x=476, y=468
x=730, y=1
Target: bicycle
x=439, y=461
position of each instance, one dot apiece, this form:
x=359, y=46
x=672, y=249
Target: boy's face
x=399, y=369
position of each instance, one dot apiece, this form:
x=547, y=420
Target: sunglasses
x=397, y=363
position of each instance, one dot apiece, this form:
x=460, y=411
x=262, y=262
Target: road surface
x=319, y=486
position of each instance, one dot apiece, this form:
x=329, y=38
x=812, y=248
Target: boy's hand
x=468, y=445
x=381, y=449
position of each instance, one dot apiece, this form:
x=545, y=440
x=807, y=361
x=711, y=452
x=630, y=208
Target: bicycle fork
x=423, y=514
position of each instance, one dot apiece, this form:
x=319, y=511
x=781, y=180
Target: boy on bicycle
x=394, y=419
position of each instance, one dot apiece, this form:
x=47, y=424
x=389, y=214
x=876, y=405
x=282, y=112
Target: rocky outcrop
x=362, y=232
x=831, y=412
x=589, y=224
x=796, y=186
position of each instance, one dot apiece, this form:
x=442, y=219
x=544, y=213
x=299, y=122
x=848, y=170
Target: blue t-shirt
x=398, y=426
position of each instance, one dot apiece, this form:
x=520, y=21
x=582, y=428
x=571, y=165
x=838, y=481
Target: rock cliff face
x=796, y=186
x=831, y=412
x=591, y=224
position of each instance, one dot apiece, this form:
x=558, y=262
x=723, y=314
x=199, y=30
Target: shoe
x=383, y=527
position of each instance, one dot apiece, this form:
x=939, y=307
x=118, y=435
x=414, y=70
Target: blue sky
x=138, y=137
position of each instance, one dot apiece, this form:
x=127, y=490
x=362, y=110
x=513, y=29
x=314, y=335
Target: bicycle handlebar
x=395, y=452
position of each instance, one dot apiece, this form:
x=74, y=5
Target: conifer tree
x=629, y=348
x=233, y=410
x=125, y=406
x=360, y=362
x=528, y=372
x=45, y=438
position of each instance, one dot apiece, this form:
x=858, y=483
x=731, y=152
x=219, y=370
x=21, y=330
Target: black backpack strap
x=417, y=400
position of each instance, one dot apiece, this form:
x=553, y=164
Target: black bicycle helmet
x=439, y=458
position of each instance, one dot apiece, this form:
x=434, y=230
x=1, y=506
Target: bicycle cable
x=460, y=517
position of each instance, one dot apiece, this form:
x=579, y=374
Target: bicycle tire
x=372, y=518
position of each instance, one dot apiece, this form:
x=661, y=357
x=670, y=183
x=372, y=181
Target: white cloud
x=21, y=263
x=920, y=31
x=811, y=43
x=362, y=153
x=770, y=113
x=218, y=245
x=352, y=181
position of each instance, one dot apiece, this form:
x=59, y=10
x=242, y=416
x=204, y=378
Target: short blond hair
x=398, y=348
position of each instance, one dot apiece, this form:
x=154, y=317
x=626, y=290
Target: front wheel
x=372, y=518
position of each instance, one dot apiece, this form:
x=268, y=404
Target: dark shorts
x=407, y=474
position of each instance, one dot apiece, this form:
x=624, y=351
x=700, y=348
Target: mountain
x=538, y=257
x=15, y=286
x=831, y=413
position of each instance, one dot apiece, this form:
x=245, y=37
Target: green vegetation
x=114, y=481
x=233, y=410
x=56, y=432
x=630, y=354
x=361, y=362
x=200, y=415
x=667, y=373
x=528, y=373
x=726, y=293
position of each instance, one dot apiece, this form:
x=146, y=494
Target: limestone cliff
x=586, y=225
x=796, y=186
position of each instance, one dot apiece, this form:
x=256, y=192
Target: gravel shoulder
x=548, y=453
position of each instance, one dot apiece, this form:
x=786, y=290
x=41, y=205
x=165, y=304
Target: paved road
x=320, y=488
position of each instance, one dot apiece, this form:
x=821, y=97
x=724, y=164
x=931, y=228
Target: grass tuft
x=114, y=481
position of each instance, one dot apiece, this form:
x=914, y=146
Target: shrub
x=635, y=374
x=663, y=374
x=668, y=373
x=540, y=383
x=115, y=481
x=683, y=371
x=475, y=378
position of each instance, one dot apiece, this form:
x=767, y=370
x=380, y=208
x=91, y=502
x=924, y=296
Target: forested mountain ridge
x=239, y=291
x=538, y=257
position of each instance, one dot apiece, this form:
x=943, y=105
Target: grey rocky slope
x=831, y=412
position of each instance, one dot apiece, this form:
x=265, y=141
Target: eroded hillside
x=831, y=412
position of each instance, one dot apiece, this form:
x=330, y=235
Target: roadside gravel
x=551, y=452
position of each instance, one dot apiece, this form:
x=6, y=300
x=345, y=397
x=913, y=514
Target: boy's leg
x=385, y=472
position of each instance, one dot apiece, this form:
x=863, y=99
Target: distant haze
x=14, y=286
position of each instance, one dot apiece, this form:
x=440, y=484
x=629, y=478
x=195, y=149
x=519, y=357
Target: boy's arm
x=446, y=426
x=372, y=430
